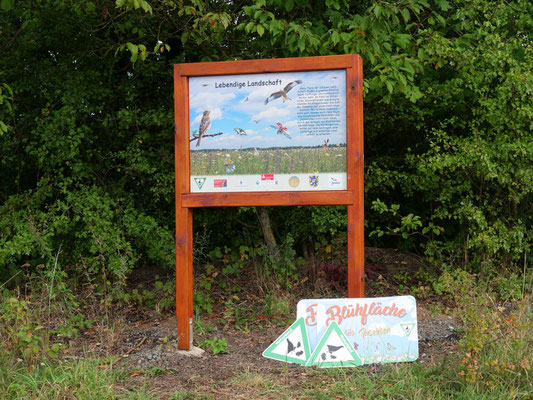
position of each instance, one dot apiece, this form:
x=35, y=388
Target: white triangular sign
x=292, y=346
x=408, y=328
x=199, y=182
x=334, y=350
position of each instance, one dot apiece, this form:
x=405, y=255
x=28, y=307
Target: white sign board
x=380, y=329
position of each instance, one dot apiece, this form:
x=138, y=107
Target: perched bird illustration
x=390, y=346
x=240, y=132
x=280, y=129
x=204, y=126
x=283, y=92
x=291, y=347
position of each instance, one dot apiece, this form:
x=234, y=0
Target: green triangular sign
x=292, y=346
x=408, y=328
x=199, y=182
x=334, y=350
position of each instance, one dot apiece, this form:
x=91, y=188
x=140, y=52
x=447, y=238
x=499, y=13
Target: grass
x=53, y=380
x=270, y=161
x=493, y=360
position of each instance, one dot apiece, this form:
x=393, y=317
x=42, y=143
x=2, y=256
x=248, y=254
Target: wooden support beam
x=354, y=129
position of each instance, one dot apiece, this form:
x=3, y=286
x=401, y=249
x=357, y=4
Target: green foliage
x=86, y=120
x=408, y=225
x=276, y=307
x=22, y=329
x=280, y=270
x=215, y=345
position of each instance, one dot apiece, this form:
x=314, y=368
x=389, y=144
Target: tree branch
x=214, y=134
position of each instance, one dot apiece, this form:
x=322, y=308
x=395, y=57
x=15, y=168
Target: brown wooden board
x=309, y=193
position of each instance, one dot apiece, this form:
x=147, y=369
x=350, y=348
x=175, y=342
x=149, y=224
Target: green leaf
x=406, y=15
x=389, y=86
x=335, y=37
x=260, y=30
x=7, y=5
x=289, y=5
x=146, y=6
x=132, y=47
x=444, y=5
x=301, y=44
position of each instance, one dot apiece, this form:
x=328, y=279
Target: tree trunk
x=270, y=240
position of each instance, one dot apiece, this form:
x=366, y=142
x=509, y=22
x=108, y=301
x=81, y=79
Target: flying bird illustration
x=240, y=132
x=257, y=121
x=280, y=129
x=333, y=349
x=204, y=126
x=283, y=92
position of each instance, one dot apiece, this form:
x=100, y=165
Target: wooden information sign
x=277, y=132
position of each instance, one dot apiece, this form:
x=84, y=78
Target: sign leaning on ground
x=278, y=132
x=382, y=329
x=349, y=332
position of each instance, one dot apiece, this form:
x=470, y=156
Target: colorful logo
x=267, y=177
x=220, y=183
x=313, y=180
x=294, y=181
x=199, y=182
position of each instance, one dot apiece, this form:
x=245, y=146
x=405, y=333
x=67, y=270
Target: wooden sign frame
x=185, y=200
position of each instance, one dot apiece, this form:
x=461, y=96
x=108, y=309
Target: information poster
x=268, y=132
x=380, y=330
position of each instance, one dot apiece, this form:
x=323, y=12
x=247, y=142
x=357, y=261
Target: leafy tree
x=87, y=150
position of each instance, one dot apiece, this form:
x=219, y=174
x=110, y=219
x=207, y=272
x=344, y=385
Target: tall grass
x=68, y=380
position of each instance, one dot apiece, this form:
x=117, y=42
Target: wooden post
x=184, y=277
x=354, y=129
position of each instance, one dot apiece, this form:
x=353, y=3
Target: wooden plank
x=184, y=272
x=354, y=127
x=267, y=199
x=267, y=65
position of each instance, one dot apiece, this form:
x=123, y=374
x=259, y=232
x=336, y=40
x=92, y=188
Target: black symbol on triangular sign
x=199, y=182
x=407, y=328
x=334, y=350
x=292, y=346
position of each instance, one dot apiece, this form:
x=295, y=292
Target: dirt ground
x=145, y=341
